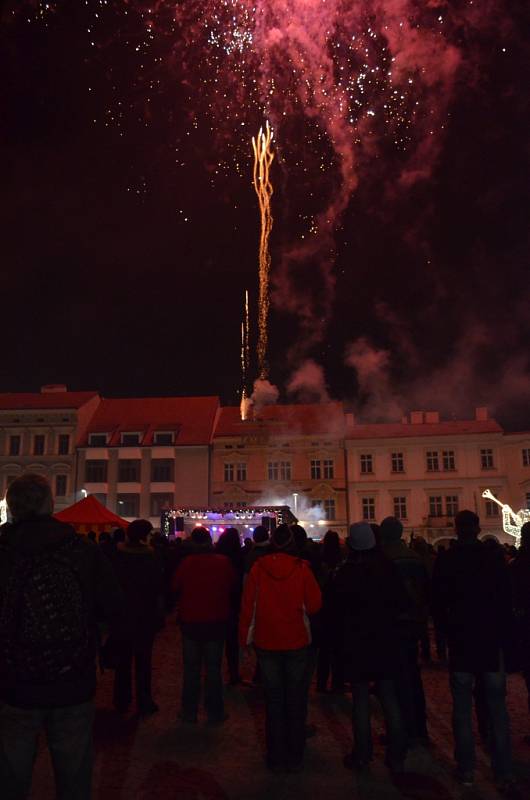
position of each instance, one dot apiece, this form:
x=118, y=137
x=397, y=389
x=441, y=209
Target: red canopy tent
x=90, y=515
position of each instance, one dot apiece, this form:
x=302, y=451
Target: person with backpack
x=280, y=594
x=54, y=585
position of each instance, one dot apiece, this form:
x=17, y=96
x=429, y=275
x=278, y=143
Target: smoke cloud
x=264, y=394
x=308, y=383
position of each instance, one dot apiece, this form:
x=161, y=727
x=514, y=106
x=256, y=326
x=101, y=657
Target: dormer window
x=163, y=438
x=130, y=439
x=97, y=439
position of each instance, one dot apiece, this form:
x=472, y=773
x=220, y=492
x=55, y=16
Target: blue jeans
x=362, y=732
x=284, y=675
x=493, y=695
x=195, y=654
x=69, y=735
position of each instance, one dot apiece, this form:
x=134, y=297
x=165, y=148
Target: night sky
x=399, y=247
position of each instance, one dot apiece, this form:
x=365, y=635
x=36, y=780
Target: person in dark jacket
x=229, y=545
x=60, y=585
x=471, y=601
x=329, y=659
x=367, y=595
x=411, y=623
x=139, y=572
x=260, y=547
x=520, y=579
x=204, y=584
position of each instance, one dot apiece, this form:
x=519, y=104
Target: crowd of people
x=355, y=615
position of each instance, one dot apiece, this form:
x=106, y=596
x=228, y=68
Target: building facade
x=39, y=433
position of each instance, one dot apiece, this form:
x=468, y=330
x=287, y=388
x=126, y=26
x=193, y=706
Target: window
x=329, y=509
x=163, y=438
x=285, y=470
x=102, y=498
x=329, y=470
x=60, y=485
x=366, y=463
x=527, y=499
x=435, y=506
x=526, y=457
x=97, y=440
x=241, y=471
x=162, y=470
x=397, y=462
x=273, y=470
x=63, y=446
x=368, y=504
x=14, y=445
x=486, y=459
x=400, y=507
x=160, y=502
x=130, y=439
x=432, y=461
x=96, y=472
x=451, y=505
x=128, y=470
x=128, y=505
x=316, y=470
x=39, y=441
x=448, y=460
x=492, y=509
x=229, y=472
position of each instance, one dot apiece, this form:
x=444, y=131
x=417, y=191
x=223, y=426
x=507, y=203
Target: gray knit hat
x=361, y=536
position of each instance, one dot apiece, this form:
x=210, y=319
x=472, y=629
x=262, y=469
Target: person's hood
x=32, y=536
x=279, y=566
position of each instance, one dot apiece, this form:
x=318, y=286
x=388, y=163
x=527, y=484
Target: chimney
x=416, y=417
x=481, y=414
x=350, y=419
x=432, y=416
x=53, y=388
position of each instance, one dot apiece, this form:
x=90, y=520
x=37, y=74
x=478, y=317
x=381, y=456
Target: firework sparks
x=263, y=158
x=245, y=358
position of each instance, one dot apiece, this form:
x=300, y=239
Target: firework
x=263, y=158
x=245, y=358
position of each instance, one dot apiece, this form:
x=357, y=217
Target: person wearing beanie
x=411, y=624
x=205, y=583
x=280, y=594
x=472, y=604
x=140, y=575
x=366, y=595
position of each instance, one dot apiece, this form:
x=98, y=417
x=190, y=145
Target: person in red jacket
x=279, y=595
x=204, y=584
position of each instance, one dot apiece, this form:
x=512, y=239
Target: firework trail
x=245, y=357
x=263, y=158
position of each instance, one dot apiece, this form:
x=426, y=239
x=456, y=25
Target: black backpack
x=44, y=625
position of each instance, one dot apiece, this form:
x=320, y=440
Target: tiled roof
x=399, y=430
x=309, y=419
x=19, y=401
x=190, y=418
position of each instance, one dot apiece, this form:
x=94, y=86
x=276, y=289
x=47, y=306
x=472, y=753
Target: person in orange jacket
x=279, y=596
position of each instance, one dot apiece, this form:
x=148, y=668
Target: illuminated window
x=129, y=470
x=448, y=460
x=486, y=459
x=162, y=470
x=96, y=471
x=435, y=506
x=229, y=472
x=14, y=445
x=368, y=504
x=433, y=465
x=329, y=469
x=285, y=470
x=526, y=457
x=451, y=505
x=241, y=471
x=60, y=485
x=366, y=463
x=316, y=470
x=330, y=509
x=63, y=444
x=400, y=507
x=39, y=442
x=397, y=462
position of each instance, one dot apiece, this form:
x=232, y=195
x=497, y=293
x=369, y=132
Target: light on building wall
x=84, y=492
x=295, y=503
